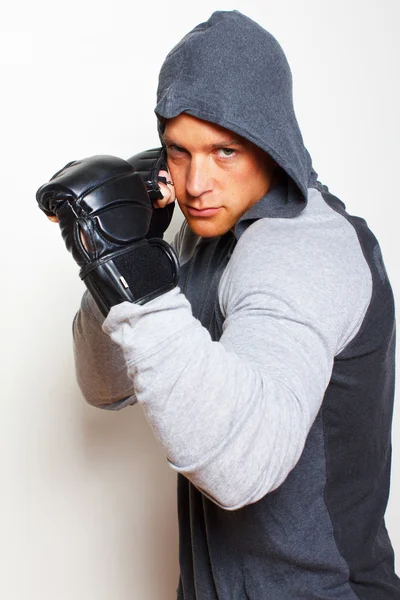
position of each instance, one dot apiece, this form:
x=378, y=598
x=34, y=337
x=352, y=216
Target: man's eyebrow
x=222, y=143
x=226, y=143
x=167, y=140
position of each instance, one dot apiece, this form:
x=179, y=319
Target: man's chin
x=207, y=228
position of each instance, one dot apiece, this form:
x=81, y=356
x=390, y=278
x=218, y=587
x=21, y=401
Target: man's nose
x=198, y=179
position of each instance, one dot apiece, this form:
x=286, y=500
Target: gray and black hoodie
x=268, y=375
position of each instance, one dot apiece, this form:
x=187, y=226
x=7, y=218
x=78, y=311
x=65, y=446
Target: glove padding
x=104, y=212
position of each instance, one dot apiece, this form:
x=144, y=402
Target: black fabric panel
x=208, y=263
x=357, y=431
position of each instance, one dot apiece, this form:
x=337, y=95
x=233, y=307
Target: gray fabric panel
x=288, y=311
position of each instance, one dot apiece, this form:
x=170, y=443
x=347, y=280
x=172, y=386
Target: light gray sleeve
x=99, y=362
x=233, y=416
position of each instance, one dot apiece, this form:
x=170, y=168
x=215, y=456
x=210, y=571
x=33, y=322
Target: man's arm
x=103, y=205
x=233, y=416
x=100, y=365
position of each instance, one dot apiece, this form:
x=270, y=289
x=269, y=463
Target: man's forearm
x=99, y=362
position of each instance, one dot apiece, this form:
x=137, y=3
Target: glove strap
x=137, y=273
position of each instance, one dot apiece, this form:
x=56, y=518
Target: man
x=268, y=374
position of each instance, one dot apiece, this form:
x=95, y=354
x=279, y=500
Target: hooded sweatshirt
x=268, y=375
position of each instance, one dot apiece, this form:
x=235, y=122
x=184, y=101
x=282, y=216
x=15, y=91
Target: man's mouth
x=202, y=212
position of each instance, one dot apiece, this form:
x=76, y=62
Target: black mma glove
x=148, y=164
x=104, y=212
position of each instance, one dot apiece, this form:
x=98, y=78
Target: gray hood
x=232, y=72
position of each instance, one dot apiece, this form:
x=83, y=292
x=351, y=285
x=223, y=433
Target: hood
x=232, y=72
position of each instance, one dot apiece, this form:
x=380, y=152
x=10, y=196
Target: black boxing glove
x=104, y=212
x=148, y=164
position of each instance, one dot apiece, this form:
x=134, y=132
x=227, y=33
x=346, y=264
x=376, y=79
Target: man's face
x=217, y=174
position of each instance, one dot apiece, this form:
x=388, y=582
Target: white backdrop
x=87, y=509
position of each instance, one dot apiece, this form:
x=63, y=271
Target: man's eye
x=225, y=152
